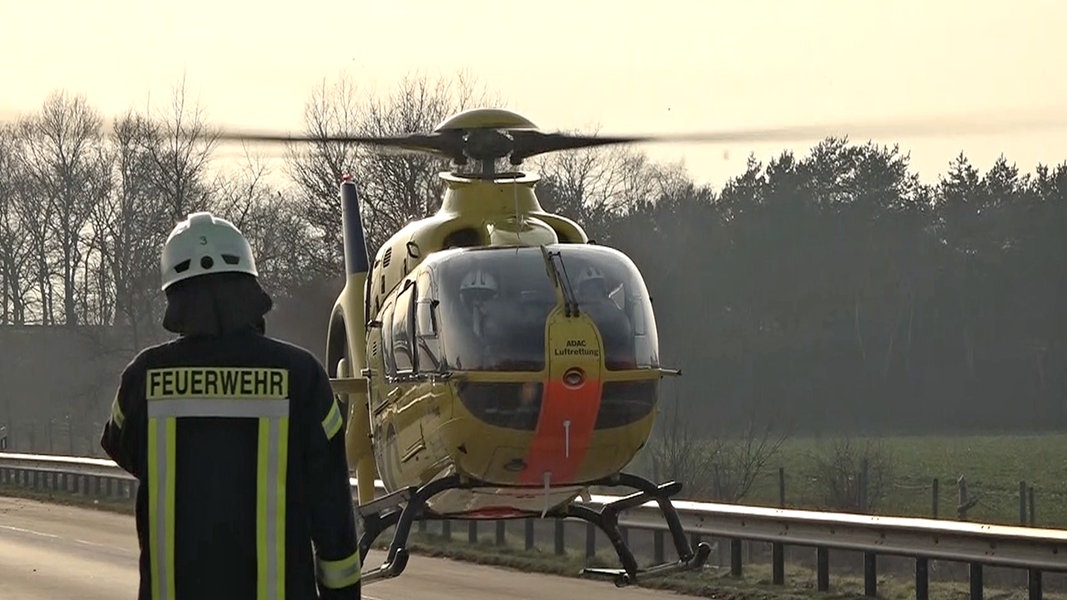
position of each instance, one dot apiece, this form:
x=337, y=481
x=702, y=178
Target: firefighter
x=235, y=439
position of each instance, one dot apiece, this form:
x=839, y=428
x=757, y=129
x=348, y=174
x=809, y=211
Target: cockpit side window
x=403, y=356
x=427, y=344
x=385, y=317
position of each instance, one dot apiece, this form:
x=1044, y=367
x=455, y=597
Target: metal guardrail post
x=778, y=563
x=870, y=574
x=922, y=579
x=822, y=569
x=976, y=581
x=1034, y=583
x=735, y=557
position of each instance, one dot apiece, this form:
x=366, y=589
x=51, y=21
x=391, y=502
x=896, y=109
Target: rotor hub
x=484, y=118
x=487, y=144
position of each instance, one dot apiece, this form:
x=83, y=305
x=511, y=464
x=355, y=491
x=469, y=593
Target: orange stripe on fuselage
x=551, y=450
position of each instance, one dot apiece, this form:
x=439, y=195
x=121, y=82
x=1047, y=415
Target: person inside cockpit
x=476, y=291
x=592, y=286
x=615, y=328
x=508, y=335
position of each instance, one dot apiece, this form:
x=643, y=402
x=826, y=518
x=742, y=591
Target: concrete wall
x=56, y=386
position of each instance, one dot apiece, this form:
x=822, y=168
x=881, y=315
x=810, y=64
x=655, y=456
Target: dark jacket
x=242, y=442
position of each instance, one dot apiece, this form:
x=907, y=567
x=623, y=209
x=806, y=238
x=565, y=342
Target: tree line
x=838, y=292
x=834, y=291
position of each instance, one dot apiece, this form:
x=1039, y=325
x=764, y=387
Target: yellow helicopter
x=494, y=362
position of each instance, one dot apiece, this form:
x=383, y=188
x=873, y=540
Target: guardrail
x=977, y=544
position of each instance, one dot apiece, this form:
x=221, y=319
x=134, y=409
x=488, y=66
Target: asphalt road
x=50, y=551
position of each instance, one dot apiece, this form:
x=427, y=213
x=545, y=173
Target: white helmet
x=478, y=280
x=589, y=273
x=203, y=244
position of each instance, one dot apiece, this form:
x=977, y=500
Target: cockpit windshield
x=497, y=301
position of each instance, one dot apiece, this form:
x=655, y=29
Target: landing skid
x=607, y=519
x=403, y=507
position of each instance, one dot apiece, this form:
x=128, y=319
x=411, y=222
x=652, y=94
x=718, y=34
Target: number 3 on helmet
x=203, y=244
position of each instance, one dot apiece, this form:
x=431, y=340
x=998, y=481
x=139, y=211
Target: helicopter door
x=401, y=332
x=395, y=423
x=407, y=413
x=428, y=347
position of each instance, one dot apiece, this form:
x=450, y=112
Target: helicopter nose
x=570, y=403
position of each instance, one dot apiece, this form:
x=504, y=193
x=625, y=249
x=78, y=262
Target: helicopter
x=493, y=361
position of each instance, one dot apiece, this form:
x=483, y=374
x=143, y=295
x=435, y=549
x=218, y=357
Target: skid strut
x=607, y=520
x=385, y=512
x=403, y=507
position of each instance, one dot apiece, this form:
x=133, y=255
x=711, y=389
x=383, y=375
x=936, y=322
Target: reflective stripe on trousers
x=273, y=416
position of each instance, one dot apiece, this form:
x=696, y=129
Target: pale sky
x=620, y=66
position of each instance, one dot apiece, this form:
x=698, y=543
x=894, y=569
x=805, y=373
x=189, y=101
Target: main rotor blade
x=414, y=141
x=448, y=144
x=525, y=143
x=904, y=127
x=531, y=143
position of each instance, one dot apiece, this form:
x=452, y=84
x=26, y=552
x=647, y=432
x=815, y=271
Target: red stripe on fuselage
x=557, y=448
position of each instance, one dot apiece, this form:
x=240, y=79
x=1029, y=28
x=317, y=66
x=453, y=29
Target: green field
x=993, y=466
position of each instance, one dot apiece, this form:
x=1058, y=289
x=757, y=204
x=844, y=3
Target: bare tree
x=395, y=188
x=740, y=460
x=852, y=475
x=33, y=211
x=318, y=167
x=271, y=220
x=64, y=159
x=678, y=453
x=182, y=155
x=721, y=467
x=399, y=188
x=16, y=264
x=596, y=185
x=132, y=225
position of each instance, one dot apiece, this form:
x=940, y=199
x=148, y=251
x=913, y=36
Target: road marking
x=58, y=537
x=21, y=530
